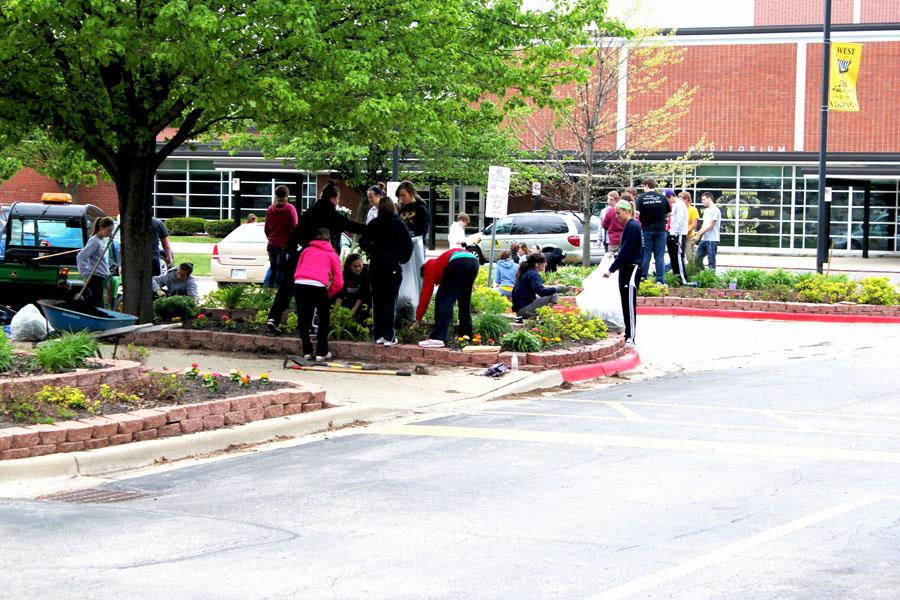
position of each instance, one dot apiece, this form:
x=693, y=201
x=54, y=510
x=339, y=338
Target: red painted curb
x=682, y=311
x=601, y=369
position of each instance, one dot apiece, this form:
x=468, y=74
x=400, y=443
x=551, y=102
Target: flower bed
x=738, y=304
x=230, y=404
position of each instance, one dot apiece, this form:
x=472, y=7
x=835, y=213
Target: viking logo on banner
x=845, y=60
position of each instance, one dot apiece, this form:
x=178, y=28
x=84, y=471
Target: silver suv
x=547, y=228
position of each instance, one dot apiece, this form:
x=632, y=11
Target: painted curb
x=141, y=454
x=602, y=369
x=682, y=311
x=542, y=380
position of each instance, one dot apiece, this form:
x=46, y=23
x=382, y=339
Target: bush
x=781, y=293
x=185, y=225
x=780, y=277
x=707, y=278
x=521, y=341
x=746, y=279
x=556, y=324
x=69, y=351
x=877, y=290
x=220, y=227
x=180, y=307
x=6, y=353
x=570, y=275
x=345, y=326
x=489, y=300
x=481, y=278
x=651, y=289
x=491, y=326
x=229, y=297
x=826, y=289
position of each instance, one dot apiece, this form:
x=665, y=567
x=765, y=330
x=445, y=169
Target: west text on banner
x=845, y=59
x=497, y=192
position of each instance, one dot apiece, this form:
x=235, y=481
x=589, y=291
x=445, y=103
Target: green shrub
x=220, y=227
x=672, y=280
x=491, y=326
x=521, y=341
x=6, y=353
x=481, y=278
x=780, y=277
x=781, y=293
x=877, y=290
x=651, y=289
x=826, y=289
x=181, y=307
x=489, y=300
x=66, y=397
x=257, y=297
x=707, y=278
x=69, y=351
x=570, y=275
x=556, y=324
x=746, y=279
x=229, y=297
x=185, y=225
x=345, y=326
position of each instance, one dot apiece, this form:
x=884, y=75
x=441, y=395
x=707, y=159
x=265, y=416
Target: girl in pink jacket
x=318, y=277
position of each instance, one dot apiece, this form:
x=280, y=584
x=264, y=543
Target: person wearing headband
x=628, y=264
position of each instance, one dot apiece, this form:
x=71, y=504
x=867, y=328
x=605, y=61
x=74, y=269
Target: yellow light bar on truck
x=56, y=198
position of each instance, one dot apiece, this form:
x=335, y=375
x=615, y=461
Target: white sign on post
x=392, y=189
x=497, y=192
x=536, y=188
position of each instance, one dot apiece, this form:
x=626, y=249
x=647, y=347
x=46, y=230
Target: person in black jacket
x=413, y=210
x=322, y=215
x=388, y=244
x=628, y=264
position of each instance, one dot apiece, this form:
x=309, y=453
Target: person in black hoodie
x=388, y=244
x=628, y=264
x=413, y=210
x=322, y=215
x=357, y=291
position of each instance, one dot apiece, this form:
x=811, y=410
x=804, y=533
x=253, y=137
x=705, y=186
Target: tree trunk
x=586, y=215
x=135, y=187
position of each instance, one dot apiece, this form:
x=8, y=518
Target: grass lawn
x=195, y=239
x=200, y=261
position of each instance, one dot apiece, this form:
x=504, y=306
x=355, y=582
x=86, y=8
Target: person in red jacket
x=318, y=277
x=281, y=218
x=454, y=273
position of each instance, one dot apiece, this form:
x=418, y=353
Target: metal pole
x=396, y=165
x=824, y=212
x=491, y=259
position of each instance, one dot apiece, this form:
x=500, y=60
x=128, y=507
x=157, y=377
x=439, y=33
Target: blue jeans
x=707, y=249
x=655, y=244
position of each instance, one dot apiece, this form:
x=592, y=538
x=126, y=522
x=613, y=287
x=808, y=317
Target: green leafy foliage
x=780, y=277
x=489, y=300
x=481, y=278
x=220, y=227
x=570, y=275
x=557, y=324
x=877, y=290
x=826, y=289
x=69, y=351
x=707, y=278
x=240, y=296
x=185, y=225
x=781, y=293
x=6, y=353
x=491, y=326
x=651, y=289
x=346, y=326
x=746, y=279
x=521, y=341
x=67, y=397
x=176, y=307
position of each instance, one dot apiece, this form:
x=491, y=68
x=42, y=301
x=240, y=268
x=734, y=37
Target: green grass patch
x=200, y=262
x=195, y=239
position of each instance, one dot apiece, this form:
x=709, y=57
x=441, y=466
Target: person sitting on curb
x=454, y=273
x=177, y=282
x=530, y=293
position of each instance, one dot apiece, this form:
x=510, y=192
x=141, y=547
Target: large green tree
x=63, y=161
x=113, y=75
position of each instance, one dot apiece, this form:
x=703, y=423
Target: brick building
x=757, y=108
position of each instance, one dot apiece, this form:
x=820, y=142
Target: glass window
x=552, y=224
x=46, y=233
x=504, y=226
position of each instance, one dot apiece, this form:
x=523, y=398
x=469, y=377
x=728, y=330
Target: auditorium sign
x=713, y=147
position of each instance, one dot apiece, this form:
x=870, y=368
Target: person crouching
x=454, y=273
x=530, y=293
x=317, y=278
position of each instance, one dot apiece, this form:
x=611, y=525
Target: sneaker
x=309, y=356
x=392, y=342
x=429, y=343
x=273, y=327
x=324, y=358
x=380, y=341
x=520, y=320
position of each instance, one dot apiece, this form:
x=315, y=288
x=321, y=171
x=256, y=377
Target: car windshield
x=46, y=233
x=595, y=225
x=246, y=234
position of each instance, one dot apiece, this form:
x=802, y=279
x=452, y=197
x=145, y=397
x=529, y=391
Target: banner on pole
x=845, y=59
x=495, y=205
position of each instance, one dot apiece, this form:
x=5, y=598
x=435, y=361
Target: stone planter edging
x=87, y=380
x=197, y=339
x=153, y=423
x=867, y=310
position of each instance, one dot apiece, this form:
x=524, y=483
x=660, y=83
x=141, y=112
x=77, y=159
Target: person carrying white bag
x=628, y=264
x=600, y=297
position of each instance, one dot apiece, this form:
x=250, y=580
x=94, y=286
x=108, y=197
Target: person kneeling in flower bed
x=454, y=273
x=530, y=293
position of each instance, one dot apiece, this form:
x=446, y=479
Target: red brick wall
x=875, y=128
x=880, y=11
x=745, y=96
x=27, y=186
x=806, y=12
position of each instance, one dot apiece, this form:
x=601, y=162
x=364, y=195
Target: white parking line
x=624, y=411
x=725, y=552
x=787, y=421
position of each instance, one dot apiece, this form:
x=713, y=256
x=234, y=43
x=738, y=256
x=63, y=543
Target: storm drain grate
x=95, y=496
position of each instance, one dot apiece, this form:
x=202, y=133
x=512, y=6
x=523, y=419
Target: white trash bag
x=411, y=286
x=29, y=325
x=600, y=297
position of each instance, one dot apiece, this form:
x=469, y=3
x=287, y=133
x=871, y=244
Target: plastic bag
x=29, y=325
x=600, y=297
x=411, y=286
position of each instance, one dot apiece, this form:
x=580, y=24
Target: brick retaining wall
x=869, y=310
x=87, y=380
x=197, y=339
x=150, y=424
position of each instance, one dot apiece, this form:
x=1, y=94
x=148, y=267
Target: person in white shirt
x=457, y=235
x=677, y=232
x=374, y=195
x=709, y=233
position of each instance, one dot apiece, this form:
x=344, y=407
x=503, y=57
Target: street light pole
x=824, y=203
